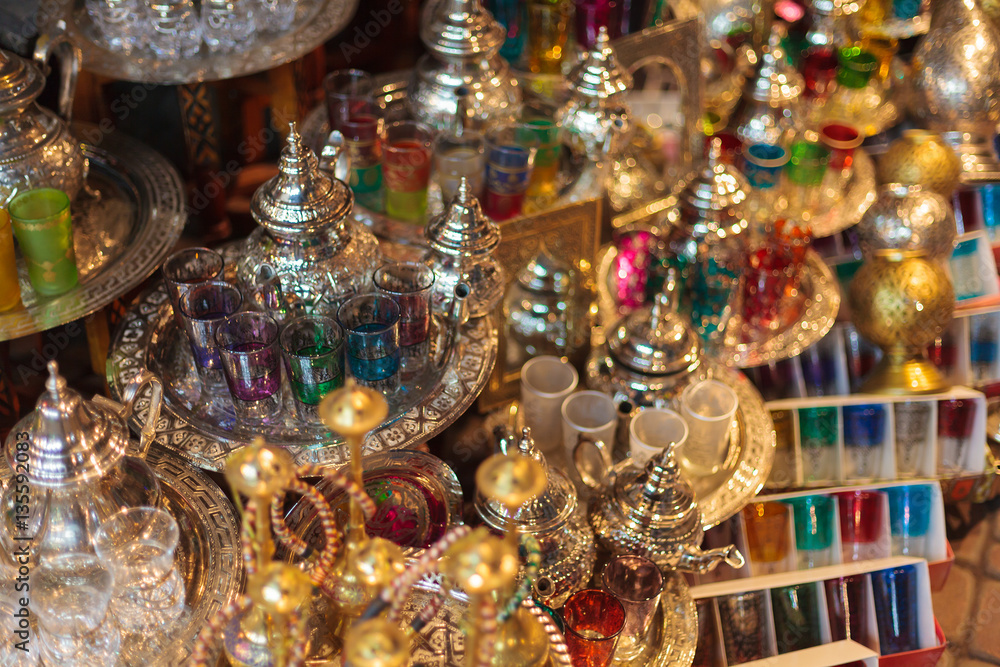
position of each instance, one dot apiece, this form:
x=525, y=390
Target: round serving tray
x=203, y=429
x=208, y=554
x=315, y=22
x=122, y=230
x=817, y=313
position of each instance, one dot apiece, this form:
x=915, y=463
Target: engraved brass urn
x=921, y=158
x=902, y=301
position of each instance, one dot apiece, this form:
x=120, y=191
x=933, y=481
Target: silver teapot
x=74, y=466
x=565, y=540
x=36, y=146
x=653, y=512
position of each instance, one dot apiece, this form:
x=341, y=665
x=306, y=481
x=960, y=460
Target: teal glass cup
x=313, y=350
x=910, y=518
x=44, y=229
x=818, y=435
x=814, y=524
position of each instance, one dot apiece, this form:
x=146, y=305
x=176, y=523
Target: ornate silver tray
x=817, y=314
x=316, y=21
x=203, y=430
x=577, y=176
x=120, y=235
x=208, y=554
x=751, y=447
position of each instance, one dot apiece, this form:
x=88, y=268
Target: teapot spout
x=695, y=559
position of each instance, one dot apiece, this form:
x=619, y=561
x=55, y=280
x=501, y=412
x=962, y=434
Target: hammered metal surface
x=120, y=238
x=208, y=553
x=202, y=431
x=315, y=22
x=921, y=158
x=817, y=315
x=908, y=218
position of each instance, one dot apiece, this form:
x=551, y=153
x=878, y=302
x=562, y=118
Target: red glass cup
x=732, y=148
x=406, y=169
x=841, y=139
x=819, y=69
x=347, y=92
x=594, y=619
x=956, y=420
x=862, y=525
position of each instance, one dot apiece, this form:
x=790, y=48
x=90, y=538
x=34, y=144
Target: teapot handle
x=334, y=159
x=70, y=57
x=585, y=468
x=129, y=396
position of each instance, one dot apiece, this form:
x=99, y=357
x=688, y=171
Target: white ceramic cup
x=590, y=414
x=708, y=407
x=652, y=431
x=545, y=383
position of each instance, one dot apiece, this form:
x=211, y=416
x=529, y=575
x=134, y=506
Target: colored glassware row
x=796, y=617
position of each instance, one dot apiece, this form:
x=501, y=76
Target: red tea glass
x=594, y=619
x=862, y=525
x=956, y=419
x=406, y=169
x=819, y=69
x=347, y=91
x=847, y=600
x=732, y=148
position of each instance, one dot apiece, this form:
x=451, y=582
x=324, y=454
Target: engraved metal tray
x=120, y=235
x=315, y=22
x=203, y=429
x=577, y=176
x=208, y=553
x=751, y=446
x=817, y=313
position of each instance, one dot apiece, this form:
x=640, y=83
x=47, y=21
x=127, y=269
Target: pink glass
x=819, y=69
x=594, y=619
x=841, y=139
x=637, y=583
x=251, y=361
x=862, y=525
x=956, y=419
x=591, y=15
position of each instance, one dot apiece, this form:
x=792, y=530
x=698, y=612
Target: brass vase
x=921, y=158
x=902, y=301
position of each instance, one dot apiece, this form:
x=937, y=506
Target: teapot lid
x=545, y=273
x=599, y=75
x=712, y=200
x=72, y=440
x=463, y=228
x=302, y=198
x=460, y=29
x=777, y=81
x=20, y=82
x=658, y=496
x=656, y=340
x=549, y=509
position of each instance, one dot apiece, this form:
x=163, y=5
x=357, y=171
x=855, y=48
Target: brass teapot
x=71, y=458
x=36, y=146
x=653, y=513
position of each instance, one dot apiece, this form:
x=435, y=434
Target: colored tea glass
x=842, y=139
x=913, y=428
x=767, y=528
x=406, y=169
x=593, y=619
x=44, y=229
x=203, y=308
x=910, y=510
x=763, y=164
x=708, y=408
x=510, y=14
x=956, y=420
x=783, y=469
x=251, y=361
x=796, y=617
x=847, y=602
x=189, y=267
x=409, y=285
x=637, y=583
x=348, y=92
x=744, y=624
x=458, y=155
x=731, y=145
x=548, y=34
x=313, y=349
x=818, y=433
x=814, y=524
x=705, y=653
x=545, y=171
x=592, y=15
x=896, y=598
x=819, y=69
x=371, y=332
x=984, y=345
x=856, y=67
x=10, y=288
x=864, y=433
x=364, y=151
x=861, y=525
x=510, y=156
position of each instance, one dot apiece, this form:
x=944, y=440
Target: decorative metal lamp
x=908, y=217
x=956, y=79
x=771, y=100
x=463, y=41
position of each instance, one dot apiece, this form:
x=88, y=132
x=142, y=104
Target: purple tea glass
x=251, y=360
x=203, y=308
x=593, y=620
x=637, y=583
x=186, y=268
x=409, y=285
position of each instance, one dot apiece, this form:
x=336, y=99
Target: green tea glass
x=313, y=348
x=796, y=617
x=818, y=436
x=813, y=519
x=44, y=230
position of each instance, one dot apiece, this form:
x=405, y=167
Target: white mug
x=545, y=383
x=652, y=431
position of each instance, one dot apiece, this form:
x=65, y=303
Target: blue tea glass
x=909, y=518
x=864, y=434
x=763, y=164
x=896, y=591
x=203, y=308
x=371, y=333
